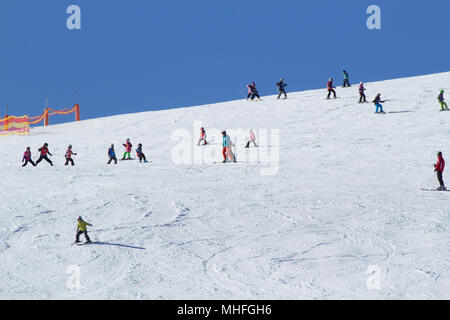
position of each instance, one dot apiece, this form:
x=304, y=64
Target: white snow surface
x=344, y=217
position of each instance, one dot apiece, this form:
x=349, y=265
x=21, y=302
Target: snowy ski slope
x=342, y=216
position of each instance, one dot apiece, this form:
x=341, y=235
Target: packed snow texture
x=343, y=216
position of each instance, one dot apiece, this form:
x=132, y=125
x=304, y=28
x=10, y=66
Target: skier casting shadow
x=44, y=151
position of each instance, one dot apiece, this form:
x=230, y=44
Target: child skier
x=140, y=154
x=69, y=154
x=128, y=147
x=27, y=158
x=377, y=101
x=346, y=79
x=330, y=88
x=281, y=88
x=252, y=139
x=82, y=228
x=112, y=155
x=439, y=169
x=44, y=151
x=227, y=144
x=252, y=92
x=362, y=96
x=442, y=101
x=202, y=136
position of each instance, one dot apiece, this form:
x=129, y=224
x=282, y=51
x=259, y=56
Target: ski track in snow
x=347, y=197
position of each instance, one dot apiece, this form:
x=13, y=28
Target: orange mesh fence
x=15, y=126
x=21, y=125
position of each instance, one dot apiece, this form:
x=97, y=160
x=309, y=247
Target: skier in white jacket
x=252, y=139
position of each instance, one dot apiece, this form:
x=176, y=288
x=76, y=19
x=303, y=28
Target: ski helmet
x=442, y=91
x=70, y=146
x=224, y=132
x=128, y=140
x=46, y=144
x=140, y=144
x=28, y=148
x=80, y=218
x=331, y=79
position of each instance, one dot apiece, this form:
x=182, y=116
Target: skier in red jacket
x=202, y=136
x=439, y=169
x=44, y=151
x=128, y=147
x=330, y=88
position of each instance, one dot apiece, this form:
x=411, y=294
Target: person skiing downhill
x=442, y=101
x=44, y=151
x=330, y=88
x=27, y=158
x=281, y=88
x=362, y=96
x=140, y=154
x=227, y=144
x=82, y=229
x=202, y=136
x=377, y=101
x=252, y=139
x=69, y=154
x=346, y=79
x=439, y=169
x=112, y=155
x=252, y=91
x=128, y=146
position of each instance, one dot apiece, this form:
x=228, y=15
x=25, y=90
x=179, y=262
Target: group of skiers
x=253, y=92
x=44, y=153
x=127, y=154
x=227, y=144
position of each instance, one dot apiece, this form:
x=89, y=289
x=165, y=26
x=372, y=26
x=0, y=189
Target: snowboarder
x=140, y=154
x=252, y=91
x=362, y=96
x=82, y=228
x=442, y=101
x=252, y=139
x=202, y=136
x=27, y=158
x=128, y=147
x=227, y=144
x=44, y=151
x=281, y=88
x=69, y=154
x=439, y=169
x=377, y=101
x=346, y=79
x=112, y=155
x=331, y=88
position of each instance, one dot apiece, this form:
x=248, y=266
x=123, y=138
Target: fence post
x=46, y=117
x=77, y=112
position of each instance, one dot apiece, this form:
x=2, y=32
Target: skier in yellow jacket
x=82, y=228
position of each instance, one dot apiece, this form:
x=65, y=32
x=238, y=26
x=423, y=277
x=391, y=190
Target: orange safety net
x=21, y=125
x=37, y=119
x=14, y=126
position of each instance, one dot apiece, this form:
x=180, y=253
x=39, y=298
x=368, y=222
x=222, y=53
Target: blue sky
x=141, y=55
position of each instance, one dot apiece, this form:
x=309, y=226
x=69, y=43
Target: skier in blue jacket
x=112, y=155
x=141, y=154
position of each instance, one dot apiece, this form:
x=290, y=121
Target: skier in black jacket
x=281, y=88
